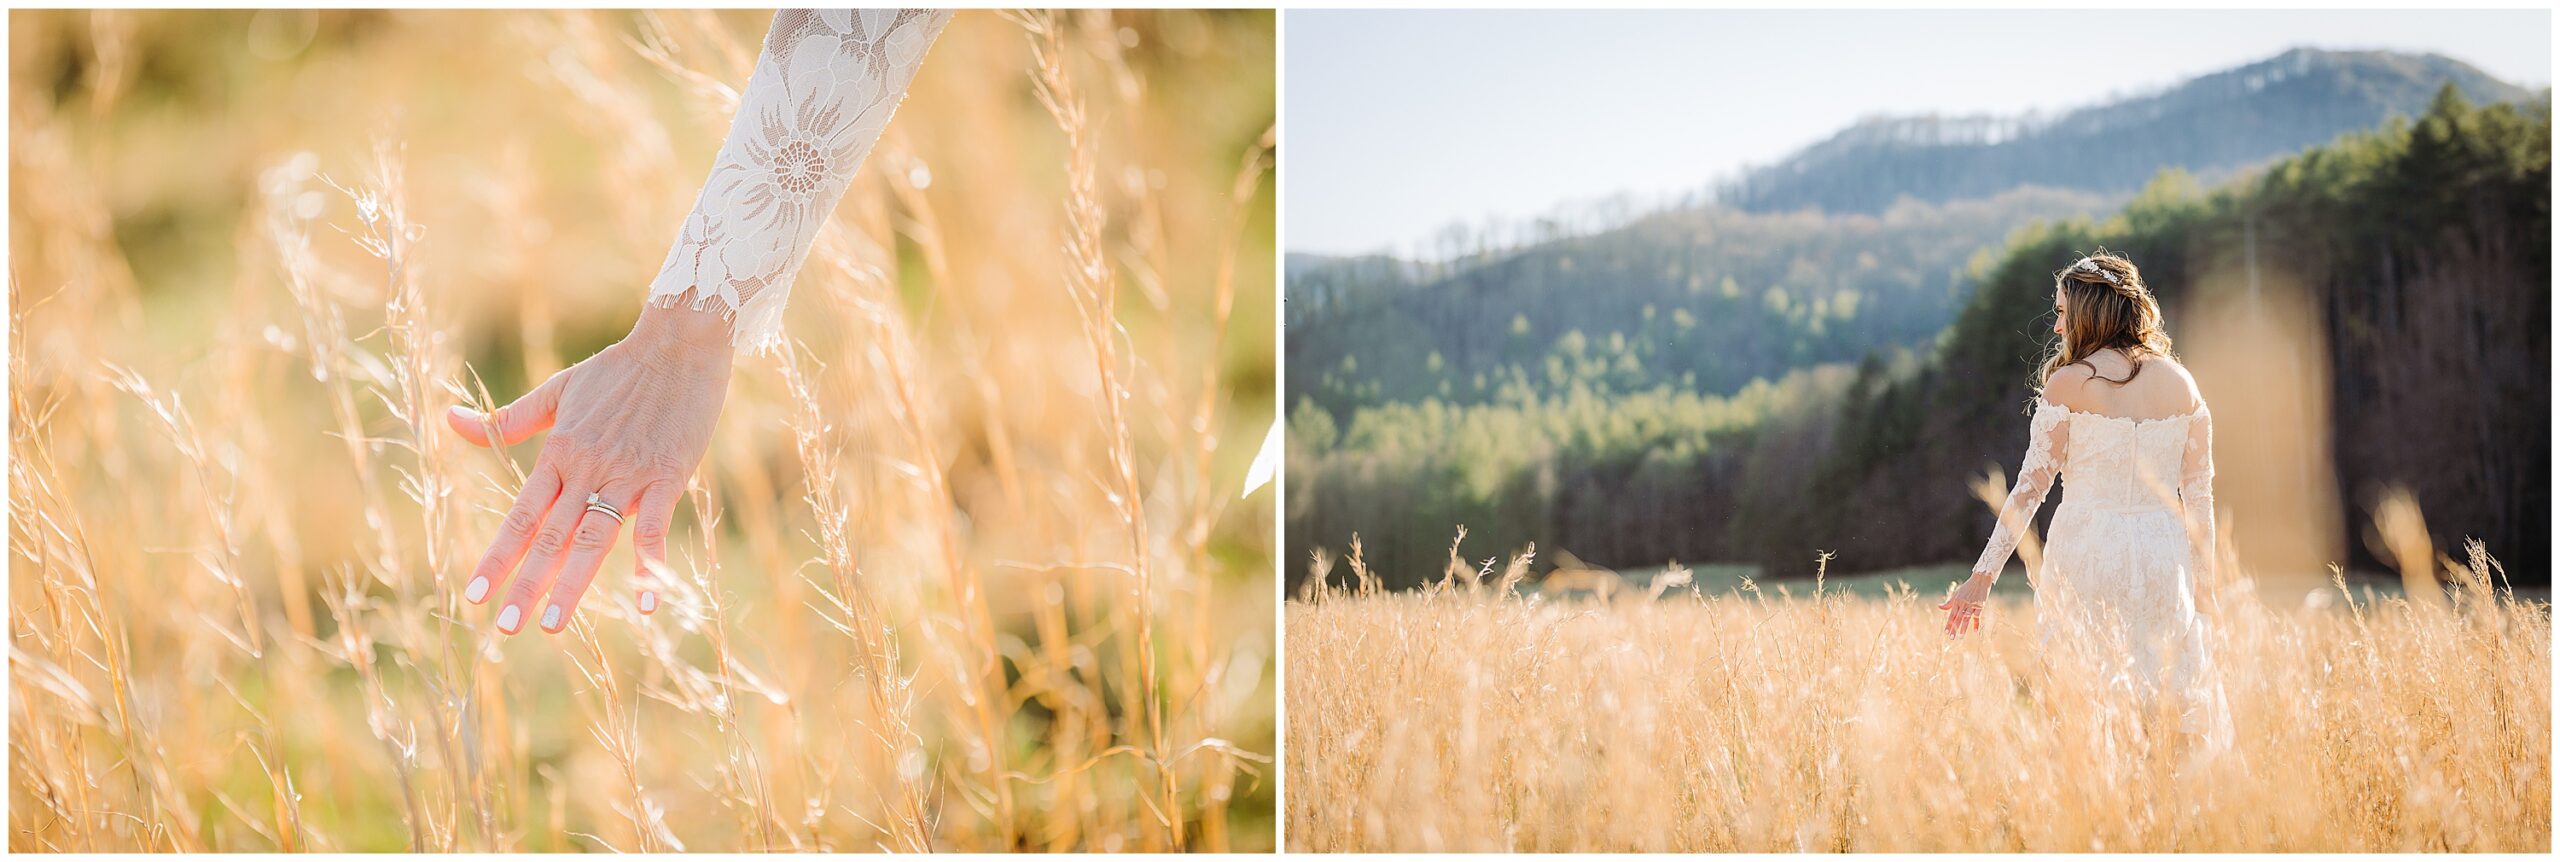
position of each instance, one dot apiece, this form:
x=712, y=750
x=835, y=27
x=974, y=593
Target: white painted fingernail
x=478, y=590
x=648, y=602
x=551, y=618
x=509, y=618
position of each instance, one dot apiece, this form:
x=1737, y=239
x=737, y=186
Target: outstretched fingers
x=1964, y=617
x=550, y=548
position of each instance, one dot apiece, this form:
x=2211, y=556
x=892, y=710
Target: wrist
x=682, y=327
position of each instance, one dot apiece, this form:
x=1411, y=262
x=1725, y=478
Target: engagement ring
x=596, y=503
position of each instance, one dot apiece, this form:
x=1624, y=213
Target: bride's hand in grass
x=1964, y=606
x=628, y=425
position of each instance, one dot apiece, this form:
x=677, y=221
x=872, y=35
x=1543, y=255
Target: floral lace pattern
x=820, y=96
x=2047, y=435
x=2131, y=538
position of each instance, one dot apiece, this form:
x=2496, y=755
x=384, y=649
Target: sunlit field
x=936, y=589
x=1465, y=717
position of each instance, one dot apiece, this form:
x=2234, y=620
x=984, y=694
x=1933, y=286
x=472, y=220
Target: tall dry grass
x=966, y=568
x=1465, y=718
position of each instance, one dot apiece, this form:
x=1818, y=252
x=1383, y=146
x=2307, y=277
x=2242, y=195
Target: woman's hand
x=628, y=425
x=1964, y=606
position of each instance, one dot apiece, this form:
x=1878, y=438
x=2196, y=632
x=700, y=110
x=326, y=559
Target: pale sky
x=1401, y=122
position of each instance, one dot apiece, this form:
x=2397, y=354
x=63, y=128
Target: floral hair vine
x=2090, y=264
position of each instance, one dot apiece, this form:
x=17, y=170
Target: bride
x=2134, y=537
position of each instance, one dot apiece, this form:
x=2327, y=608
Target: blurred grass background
x=237, y=538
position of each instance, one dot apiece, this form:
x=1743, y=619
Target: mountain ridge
x=2258, y=112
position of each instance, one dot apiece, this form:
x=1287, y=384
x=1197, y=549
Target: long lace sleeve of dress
x=2195, y=495
x=2047, y=438
x=821, y=94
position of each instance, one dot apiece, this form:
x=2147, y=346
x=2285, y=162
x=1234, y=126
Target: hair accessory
x=2090, y=264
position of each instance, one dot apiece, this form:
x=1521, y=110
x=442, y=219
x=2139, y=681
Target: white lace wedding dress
x=2131, y=538
x=822, y=92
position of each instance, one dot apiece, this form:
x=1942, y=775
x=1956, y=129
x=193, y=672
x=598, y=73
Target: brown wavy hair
x=2117, y=312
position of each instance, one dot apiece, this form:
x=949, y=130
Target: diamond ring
x=596, y=503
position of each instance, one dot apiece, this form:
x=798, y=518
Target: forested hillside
x=1703, y=300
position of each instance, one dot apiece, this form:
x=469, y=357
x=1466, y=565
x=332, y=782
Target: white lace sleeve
x=2195, y=495
x=2048, y=436
x=821, y=94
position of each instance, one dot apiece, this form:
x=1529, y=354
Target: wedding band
x=596, y=503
